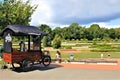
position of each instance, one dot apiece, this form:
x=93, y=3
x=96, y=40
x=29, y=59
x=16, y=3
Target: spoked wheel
x=46, y=60
x=27, y=65
x=13, y=66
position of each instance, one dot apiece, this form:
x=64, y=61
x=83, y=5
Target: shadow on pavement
x=38, y=67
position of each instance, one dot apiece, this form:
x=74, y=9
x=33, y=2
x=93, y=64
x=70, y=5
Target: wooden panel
x=17, y=56
x=7, y=57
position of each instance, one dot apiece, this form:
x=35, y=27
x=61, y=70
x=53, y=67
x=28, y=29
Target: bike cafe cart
x=28, y=54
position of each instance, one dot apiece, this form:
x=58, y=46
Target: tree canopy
x=15, y=12
x=77, y=32
x=47, y=39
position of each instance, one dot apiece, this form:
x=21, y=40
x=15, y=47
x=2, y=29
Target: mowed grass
x=78, y=56
x=91, y=51
x=105, y=48
x=88, y=51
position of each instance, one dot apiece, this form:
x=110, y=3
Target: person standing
x=22, y=46
x=58, y=57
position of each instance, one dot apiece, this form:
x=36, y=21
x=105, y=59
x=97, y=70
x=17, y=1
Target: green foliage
x=44, y=41
x=66, y=47
x=1, y=50
x=105, y=48
x=111, y=33
x=47, y=39
x=76, y=32
x=85, y=55
x=94, y=32
x=94, y=43
x=56, y=42
x=100, y=46
x=15, y=12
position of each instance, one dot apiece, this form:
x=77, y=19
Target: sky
x=59, y=13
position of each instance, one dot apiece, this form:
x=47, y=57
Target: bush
x=56, y=42
x=105, y=48
x=1, y=50
x=94, y=43
x=66, y=47
x=46, y=41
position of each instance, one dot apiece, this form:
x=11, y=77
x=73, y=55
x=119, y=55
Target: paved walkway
x=63, y=72
x=66, y=72
x=99, y=66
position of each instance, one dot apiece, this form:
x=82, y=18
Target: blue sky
x=55, y=13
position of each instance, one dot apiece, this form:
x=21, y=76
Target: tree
x=45, y=28
x=15, y=12
x=117, y=33
x=83, y=33
x=46, y=39
x=104, y=33
x=112, y=33
x=56, y=42
x=94, y=31
x=57, y=31
x=74, y=30
x=65, y=33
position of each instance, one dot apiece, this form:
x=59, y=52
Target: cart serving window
x=21, y=30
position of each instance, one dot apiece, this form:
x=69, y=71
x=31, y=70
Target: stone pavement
x=63, y=71
x=57, y=72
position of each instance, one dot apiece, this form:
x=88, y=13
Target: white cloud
x=43, y=13
x=103, y=25
x=63, y=12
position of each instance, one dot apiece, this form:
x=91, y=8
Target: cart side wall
x=16, y=57
x=7, y=57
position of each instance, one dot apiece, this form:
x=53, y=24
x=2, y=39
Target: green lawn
x=1, y=62
x=91, y=51
x=85, y=55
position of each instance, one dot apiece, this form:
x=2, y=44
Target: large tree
x=15, y=12
x=94, y=31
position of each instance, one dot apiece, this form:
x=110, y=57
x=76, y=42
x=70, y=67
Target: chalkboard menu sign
x=7, y=42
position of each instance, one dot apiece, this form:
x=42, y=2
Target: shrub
x=46, y=41
x=94, y=43
x=56, y=42
x=66, y=47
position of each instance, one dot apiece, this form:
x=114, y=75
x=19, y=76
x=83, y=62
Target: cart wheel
x=13, y=66
x=46, y=60
x=27, y=65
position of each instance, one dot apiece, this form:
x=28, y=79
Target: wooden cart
x=29, y=53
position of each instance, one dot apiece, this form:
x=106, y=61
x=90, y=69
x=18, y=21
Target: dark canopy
x=23, y=30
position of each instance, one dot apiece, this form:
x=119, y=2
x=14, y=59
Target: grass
x=85, y=55
x=91, y=51
x=78, y=56
x=94, y=50
x=105, y=48
x=0, y=62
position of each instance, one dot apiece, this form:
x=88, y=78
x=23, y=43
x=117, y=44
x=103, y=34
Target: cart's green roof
x=23, y=30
